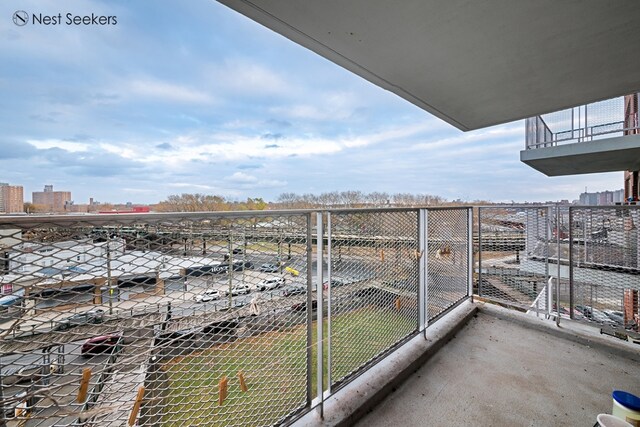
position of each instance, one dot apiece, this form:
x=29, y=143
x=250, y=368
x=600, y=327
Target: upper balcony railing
x=598, y=120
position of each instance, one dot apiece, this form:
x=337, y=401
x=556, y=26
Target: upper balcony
x=598, y=137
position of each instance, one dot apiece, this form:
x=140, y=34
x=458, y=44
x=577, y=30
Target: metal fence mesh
x=374, y=286
x=447, y=258
x=594, y=251
x=605, y=271
x=167, y=320
x=513, y=245
x=210, y=319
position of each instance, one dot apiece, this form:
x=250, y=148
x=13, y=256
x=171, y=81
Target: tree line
x=355, y=199
x=206, y=202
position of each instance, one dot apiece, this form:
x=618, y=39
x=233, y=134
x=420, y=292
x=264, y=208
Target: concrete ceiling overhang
x=473, y=63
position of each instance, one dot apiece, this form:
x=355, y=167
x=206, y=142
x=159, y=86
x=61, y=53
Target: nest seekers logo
x=22, y=18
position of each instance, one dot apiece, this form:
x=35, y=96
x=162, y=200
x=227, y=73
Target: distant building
x=11, y=198
x=127, y=209
x=54, y=201
x=602, y=198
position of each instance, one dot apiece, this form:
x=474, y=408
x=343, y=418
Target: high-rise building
x=52, y=200
x=602, y=198
x=11, y=198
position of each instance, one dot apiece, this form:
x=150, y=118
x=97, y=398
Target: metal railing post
x=309, y=311
x=547, y=229
x=422, y=269
x=479, y=251
x=329, y=302
x=558, y=261
x=571, y=296
x=319, y=297
x=426, y=272
x=586, y=126
x=470, y=252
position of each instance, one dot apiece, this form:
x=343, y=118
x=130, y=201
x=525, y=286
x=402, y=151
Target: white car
x=238, y=290
x=209, y=295
x=270, y=283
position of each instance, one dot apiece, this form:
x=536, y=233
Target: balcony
x=166, y=319
x=599, y=137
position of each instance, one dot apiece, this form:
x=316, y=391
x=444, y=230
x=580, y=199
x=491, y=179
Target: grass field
x=274, y=368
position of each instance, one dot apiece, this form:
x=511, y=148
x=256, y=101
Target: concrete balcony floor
x=509, y=369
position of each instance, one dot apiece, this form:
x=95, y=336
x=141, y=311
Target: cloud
x=239, y=111
x=16, y=150
x=164, y=91
x=190, y=185
x=70, y=146
x=241, y=177
x=242, y=76
x=249, y=166
x=278, y=123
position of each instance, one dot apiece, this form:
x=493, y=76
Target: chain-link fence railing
x=580, y=262
x=159, y=319
x=605, y=273
x=372, y=286
x=513, y=247
x=211, y=318
x=447, y=259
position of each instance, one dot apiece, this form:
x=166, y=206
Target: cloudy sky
x=191, y=97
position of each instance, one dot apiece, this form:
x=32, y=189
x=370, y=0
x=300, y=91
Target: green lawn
x=274, y=367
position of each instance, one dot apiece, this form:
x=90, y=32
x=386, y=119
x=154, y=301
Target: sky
x=192, y=97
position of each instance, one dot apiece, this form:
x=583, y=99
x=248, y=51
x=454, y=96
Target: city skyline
x=194, y=98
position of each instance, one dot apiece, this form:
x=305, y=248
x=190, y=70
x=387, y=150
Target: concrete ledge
x=571, y=330
x=603, y=155
x=351, y=402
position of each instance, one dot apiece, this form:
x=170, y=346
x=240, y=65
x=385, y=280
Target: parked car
x=616, y=316
x=100, y=344
x=209, y=295
x=270, y=283
x=236, y=251
x=594, y=314
x=269, y=268
x=335, y=283
x=293, y=290
x=238, y=289
x=598, y=316
x=303, y=306
x=240, y=264
x=91, y=316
